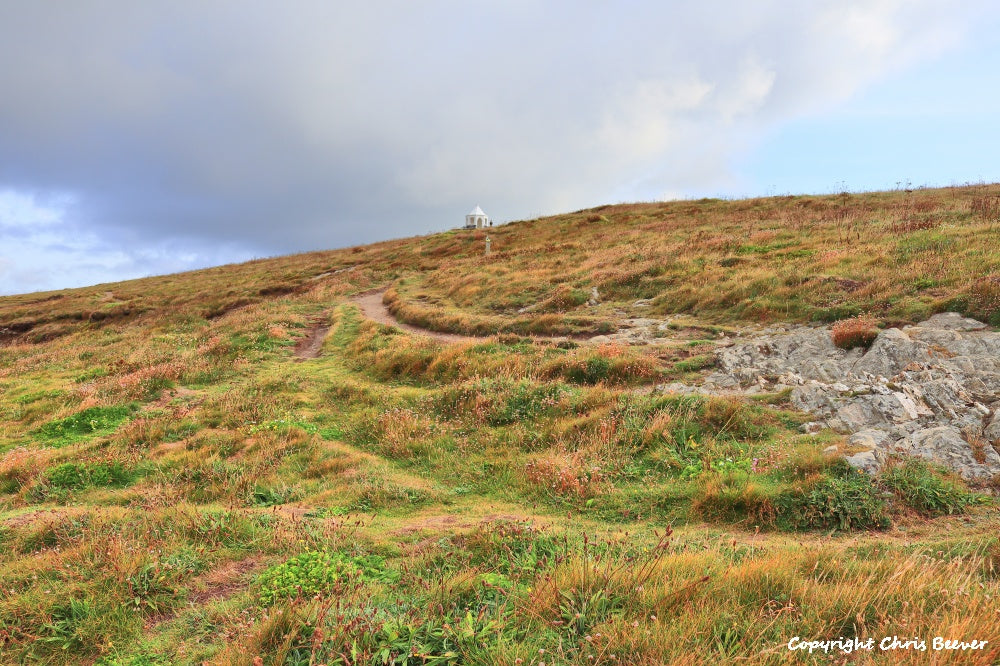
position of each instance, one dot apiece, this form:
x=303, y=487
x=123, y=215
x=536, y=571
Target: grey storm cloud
x=265, y=127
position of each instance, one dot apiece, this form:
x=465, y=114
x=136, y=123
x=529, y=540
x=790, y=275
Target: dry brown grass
x=568, y=474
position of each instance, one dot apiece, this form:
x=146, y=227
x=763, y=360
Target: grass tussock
x=859, y=331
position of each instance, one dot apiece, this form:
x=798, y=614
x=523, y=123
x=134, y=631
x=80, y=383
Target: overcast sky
x=139, y=138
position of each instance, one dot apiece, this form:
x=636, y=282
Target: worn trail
x=630, y=331
x=312, y=343
x=372, y=306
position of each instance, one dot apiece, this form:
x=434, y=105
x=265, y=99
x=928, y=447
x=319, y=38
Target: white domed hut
x=477, y=219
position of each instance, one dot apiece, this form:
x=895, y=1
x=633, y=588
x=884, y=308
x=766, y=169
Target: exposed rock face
x=931, y=390
x=946, y=446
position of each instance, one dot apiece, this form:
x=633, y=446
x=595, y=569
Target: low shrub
x=88, y=423
x=589, y=371
x=733, y=498
x=839, y=503
x=501, y=401
x=924, y=489
x=316, y=572
x=859, y=331
x=563, y=298
x=695, y=363
x=738, y=419
x=986, y=208
x=984, y=299
x=397, y=433
x=515, y=548
x=74, y=476
x=267, y=496
x=608, y=364
x=569, y=476
x=376, y=493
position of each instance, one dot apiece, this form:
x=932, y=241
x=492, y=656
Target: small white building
x=477, y=219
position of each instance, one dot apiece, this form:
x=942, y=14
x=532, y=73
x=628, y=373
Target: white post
x=488, y=242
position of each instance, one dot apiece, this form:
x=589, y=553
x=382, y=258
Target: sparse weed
x=849, y=502
x=317, y=572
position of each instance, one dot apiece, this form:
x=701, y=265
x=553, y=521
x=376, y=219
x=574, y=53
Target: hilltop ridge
x=901, y=255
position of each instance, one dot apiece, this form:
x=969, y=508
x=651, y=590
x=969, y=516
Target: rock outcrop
x=931, y=390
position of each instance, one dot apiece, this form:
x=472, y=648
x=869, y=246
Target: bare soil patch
x=451, y=523
x=312, y=343
x=225, y=580
x=168, y=396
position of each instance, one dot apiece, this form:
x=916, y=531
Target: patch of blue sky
x=934, y=124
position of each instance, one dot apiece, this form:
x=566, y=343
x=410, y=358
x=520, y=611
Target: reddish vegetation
x=858, y=331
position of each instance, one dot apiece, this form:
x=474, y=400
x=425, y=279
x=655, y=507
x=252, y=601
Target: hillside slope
x=235, y=465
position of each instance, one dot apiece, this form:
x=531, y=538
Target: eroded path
x=310, y=345
x=630, y=331
x=372, y=306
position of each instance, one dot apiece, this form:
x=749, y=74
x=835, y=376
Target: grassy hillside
x=178, y=485
x=900, y=255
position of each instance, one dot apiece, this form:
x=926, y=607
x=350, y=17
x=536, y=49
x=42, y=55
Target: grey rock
x=814, y=398
x=890, y=353
x=856, y=415
x=642, y=322
x=945, y=446
x=992, y=430
x=722, y=380
x=680, y=388
x=897, y=396
x=870, y=439
x=982, y=385
x=865, y=461
x=953, y=321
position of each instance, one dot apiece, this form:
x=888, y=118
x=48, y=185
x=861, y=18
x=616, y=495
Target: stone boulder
x=945, y=446
x=870, y=462
x=992, y=431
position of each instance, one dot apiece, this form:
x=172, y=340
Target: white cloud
x=40, y=249
x=28, y=211
x=750, y=91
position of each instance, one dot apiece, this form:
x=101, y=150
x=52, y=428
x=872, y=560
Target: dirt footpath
x=372, y=306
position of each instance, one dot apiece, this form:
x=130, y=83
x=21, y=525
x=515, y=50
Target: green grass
x=928, y=490
x=91, y=422
x=314, y=572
